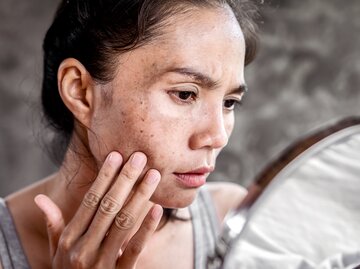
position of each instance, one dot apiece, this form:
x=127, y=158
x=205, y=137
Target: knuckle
x=109, y=205
x=91, y=199
x=128, y=174
x=65, y=244
x=124, y=220
x=78, y=260
x=106, y=173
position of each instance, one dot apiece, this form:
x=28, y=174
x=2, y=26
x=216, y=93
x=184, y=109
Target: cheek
x=229, y=124
x=162, y=137
x=147, y=127
x=118, y=127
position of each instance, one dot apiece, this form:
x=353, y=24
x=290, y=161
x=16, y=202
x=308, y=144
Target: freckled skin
x=144, y=116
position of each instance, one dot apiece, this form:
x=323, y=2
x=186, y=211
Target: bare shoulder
x=226, y=196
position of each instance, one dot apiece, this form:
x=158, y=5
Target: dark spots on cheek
x=141, y=131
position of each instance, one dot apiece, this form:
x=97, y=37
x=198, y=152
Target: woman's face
x=173, y=100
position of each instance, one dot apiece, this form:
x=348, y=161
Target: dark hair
x=94, y=32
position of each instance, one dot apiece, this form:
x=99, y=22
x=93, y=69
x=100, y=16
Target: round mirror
x=304, y=209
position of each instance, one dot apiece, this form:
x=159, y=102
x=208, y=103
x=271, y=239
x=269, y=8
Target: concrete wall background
x=306, y=74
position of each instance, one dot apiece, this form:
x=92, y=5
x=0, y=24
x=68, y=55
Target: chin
x=175, y=200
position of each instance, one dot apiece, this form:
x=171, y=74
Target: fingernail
x=138, y=160
x=114, y=158
x=152, y=177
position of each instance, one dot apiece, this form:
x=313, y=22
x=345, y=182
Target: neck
x=74, y=178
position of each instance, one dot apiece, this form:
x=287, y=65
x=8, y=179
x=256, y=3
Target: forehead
x=208, y=40
x=200, y=24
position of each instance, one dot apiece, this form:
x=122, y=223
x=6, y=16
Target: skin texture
x=154, y=105
x=176, y=135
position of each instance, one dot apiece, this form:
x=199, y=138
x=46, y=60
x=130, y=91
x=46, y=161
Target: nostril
x=200, y=140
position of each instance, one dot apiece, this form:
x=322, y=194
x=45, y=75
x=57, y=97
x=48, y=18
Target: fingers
x=137, y=243
x=54, y=220
x=110, y=213
x=116, y=197
x=84, y=215
x=131, y=214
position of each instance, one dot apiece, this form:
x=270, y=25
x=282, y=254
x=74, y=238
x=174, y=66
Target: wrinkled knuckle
x=109, y=205
x=124, y=220
x=91, y=199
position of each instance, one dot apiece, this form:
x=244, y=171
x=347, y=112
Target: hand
x=103, y=222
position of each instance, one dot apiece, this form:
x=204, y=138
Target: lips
x=195, y=178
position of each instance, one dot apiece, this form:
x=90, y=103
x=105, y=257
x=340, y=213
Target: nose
x=210, y=132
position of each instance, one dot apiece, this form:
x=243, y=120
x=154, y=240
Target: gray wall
x=306, y=74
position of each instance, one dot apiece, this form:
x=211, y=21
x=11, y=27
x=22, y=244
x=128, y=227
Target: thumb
x=54, y=220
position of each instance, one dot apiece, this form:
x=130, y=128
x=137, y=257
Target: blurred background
x=307, y=74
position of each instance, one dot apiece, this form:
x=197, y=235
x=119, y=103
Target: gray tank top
x=205, y=229
x=11, y=252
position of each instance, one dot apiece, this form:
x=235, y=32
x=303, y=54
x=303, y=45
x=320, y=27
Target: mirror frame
x=269, y=172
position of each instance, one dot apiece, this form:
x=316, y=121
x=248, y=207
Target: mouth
x=195, y=178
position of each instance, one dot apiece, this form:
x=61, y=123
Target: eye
x=231, y=104
x=186, y=95
x=183, y=96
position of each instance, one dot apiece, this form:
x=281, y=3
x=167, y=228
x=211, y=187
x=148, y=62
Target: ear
x=76, y=89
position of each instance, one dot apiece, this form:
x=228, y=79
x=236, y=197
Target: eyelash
x=236, y=104
x=176, y=93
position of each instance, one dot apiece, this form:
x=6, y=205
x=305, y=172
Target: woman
x=142, y=95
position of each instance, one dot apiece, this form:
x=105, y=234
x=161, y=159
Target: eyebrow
x=205, y=80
